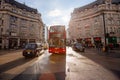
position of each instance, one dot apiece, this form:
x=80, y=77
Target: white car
x=78, y=47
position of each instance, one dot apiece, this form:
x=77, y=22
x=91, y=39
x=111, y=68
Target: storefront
x=23, y=42
x=112, y=40
x=13, y=43
x=32, y=41
x=79, y=40
x=88, y=42
x=0, y=43
x=97, y=40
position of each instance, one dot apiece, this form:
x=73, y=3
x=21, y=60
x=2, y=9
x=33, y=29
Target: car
x=78, y=47
x=32, y=49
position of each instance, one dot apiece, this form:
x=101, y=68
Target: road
x=91, y=66
x=73, y=66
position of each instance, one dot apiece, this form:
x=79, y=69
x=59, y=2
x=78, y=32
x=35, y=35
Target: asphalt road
x=47, y=67
x=72, y=66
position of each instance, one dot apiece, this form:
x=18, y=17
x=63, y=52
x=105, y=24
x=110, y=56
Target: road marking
x=47, y=76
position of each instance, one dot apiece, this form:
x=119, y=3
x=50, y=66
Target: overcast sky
x=55, y=11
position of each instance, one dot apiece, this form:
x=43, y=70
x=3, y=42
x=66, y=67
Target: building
x=19, y=24
x=45, y=33
x=98, y=21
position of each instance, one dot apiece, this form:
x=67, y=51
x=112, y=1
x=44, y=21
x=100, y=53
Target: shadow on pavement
x=47, y=67
x=116, y=73
x=4, y=52
x=115, y=53
x=13, y=64
x=108, y=62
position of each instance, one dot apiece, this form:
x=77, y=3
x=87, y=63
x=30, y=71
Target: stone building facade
x=93, y=21
x=19, y=24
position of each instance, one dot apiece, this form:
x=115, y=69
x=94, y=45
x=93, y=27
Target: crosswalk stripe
x=47, y=76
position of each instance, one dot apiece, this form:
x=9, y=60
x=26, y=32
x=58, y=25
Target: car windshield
x=30, y=46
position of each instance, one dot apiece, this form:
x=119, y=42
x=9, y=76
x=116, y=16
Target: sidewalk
x=90, y=64
x=3, y=52
x=114, y=53
x=111, y=53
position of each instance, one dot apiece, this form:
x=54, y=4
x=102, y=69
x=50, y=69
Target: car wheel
x=83, y=50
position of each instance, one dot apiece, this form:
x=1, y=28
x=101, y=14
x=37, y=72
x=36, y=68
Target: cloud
x=56, y=22
x=55, y=13
x=59, y=17
x=65, y=19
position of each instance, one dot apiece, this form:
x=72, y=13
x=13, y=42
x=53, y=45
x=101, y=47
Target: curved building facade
x=19, y=24
x=96, y=22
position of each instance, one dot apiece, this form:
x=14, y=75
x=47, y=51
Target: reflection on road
x=42, y=63
x=47, y=67
x=72, y=66
x=82, y=67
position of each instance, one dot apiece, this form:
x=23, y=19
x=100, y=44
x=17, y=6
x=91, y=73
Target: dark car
x=32, y=49
x=78, y=47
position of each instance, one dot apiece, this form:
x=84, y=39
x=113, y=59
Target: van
x=32, y=49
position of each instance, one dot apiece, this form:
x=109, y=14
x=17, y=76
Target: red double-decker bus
x=57, y=39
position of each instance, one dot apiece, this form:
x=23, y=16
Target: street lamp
x=103, y=14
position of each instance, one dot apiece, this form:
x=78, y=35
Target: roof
x=21, y=6
x=97, y=2
x=116, y=1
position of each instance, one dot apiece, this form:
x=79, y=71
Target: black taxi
x=32, y=49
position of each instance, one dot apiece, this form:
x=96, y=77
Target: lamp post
x=103, y=14
x=105, y=35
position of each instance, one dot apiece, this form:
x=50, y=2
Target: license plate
x=56, y=52
x=28, y=52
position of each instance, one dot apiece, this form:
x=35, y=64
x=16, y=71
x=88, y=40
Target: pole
x=106, y=47
x=104, y=28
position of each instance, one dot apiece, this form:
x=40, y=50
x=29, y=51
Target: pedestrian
x=99, y=47
x=106, y=50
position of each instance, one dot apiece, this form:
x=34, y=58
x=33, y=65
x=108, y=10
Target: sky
x=55, y=12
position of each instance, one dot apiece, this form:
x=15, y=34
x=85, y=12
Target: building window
x=14, y=10
x=0, y=2
x=1, y=30
x=23, y=28
x=23, y=22
x=13, y=34
x=107, y=29
x=23, y=31
x=119, y=22
x=118, y=16
x=13, y=28
x=24, y=12
x=118, y=30
x=108, y=2
x=1, y=15
x=1, y=22
x=109, y=21
x=13, y=19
